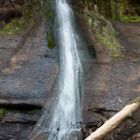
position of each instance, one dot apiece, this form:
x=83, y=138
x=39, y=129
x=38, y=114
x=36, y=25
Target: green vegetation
x=98, y=15
x=29, y=10
x=105, y=33
x=17, y=25
x=3, y=112
x=103, y=30
x=122, y=10
x=48, y=13
x=130, y=19
x=109, y=40
x=114, y=10
x=126, y=11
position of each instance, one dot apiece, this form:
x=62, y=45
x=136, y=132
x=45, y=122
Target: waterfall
x=66, y=111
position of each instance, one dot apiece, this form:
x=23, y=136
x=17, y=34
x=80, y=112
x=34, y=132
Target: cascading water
x=67, y=105
x=67, y=110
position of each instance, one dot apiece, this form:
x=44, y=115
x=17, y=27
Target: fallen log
x=116, y=120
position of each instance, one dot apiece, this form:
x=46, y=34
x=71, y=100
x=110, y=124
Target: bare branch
x=115, y=121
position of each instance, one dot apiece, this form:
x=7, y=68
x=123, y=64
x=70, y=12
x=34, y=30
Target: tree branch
x=115, y=121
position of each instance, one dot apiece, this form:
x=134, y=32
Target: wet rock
x=10, y=131
x=40, y=136
x=20, y=118
x=27, y=75
x=29, y=85
x=109, y=87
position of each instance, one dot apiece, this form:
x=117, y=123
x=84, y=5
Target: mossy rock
x=132, y=19
x=49, y=15
x=19, y=24
x=3, y=112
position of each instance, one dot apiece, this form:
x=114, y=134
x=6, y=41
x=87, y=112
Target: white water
x=67, y=110
x=67, y=106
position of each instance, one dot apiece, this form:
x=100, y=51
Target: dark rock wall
x=28, y=74
x=109, y=84
x=10, y=9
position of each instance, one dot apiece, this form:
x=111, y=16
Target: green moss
x=124, y=11
x=130, y=18
x=16, y=26
x=48, y=13
x=108, y=38
x=111, y=43
x=120, y=10
x=33, y=111
x=104, y=6
x=3, y=112
x=115, y=10
x=103, y=31
x=51, y=43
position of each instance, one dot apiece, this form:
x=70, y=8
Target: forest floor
x=110, y=86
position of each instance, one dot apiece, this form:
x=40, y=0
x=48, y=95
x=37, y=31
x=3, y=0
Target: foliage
x=122, y=10
x=104, y=6
x=17, y=25
x=14, y=27
x=106, y=34
x=130, y=19
x=103, y=30
x=98, y=13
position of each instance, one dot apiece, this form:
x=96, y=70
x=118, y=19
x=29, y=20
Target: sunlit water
x=67, y=105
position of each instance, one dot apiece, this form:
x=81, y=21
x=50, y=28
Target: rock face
x=109, y=87
x=28, y=72
x=10, y=9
